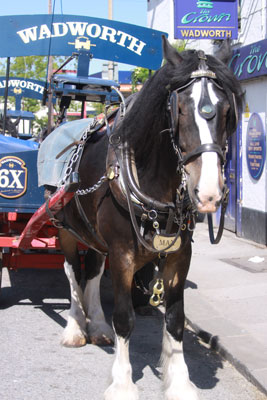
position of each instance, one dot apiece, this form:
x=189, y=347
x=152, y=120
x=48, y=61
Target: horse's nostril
x=210, y=198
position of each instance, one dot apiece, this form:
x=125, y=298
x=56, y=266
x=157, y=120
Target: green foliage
x=30, y=67
x=139, y=76
x=179, y=45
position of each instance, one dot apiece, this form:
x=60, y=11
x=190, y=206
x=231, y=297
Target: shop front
x=246, y=170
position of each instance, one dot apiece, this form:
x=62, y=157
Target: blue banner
x=250, y=61
x=205, y=19
x=30, y=88
x=61, y=35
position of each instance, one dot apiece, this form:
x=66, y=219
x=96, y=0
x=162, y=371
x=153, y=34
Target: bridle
x=182, y=210
x=205, y=108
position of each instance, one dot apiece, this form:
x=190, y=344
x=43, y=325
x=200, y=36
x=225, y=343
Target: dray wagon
x=28, y=234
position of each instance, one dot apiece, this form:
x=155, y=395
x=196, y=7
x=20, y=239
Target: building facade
x=246, y=170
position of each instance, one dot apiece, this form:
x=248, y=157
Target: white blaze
x=209, y=178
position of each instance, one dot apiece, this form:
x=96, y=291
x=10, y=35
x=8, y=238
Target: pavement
x=226, y=300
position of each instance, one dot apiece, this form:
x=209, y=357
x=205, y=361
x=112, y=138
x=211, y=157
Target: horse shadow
x=145, y=351
x=48, y=290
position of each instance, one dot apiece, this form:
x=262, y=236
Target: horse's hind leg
x=99, y=332
x=175, y=373
x=75, y=332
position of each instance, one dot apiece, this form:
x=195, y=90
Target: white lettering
x=135, y=47
x=56, y=29
x=108, y=32
x=124, y=36
x=77, y=28
x=82, y=29
x=30, y=86
x=93, y=27
x=39, y=88
x=28, y=34
x=4, y=181
x=44, y=32
x=14, y=83
x=15, y=175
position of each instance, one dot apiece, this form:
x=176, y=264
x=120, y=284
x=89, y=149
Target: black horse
x=141, y=183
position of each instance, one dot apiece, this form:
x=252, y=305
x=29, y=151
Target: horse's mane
x=147, y=117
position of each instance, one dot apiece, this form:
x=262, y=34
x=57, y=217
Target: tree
x=30, y=67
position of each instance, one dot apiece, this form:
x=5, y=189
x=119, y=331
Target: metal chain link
x=83, y=192
x=76, y=154
x=74, y=158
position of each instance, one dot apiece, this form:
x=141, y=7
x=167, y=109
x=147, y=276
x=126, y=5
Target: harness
x=148, y=213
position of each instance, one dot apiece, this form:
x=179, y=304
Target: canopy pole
x=6, y=93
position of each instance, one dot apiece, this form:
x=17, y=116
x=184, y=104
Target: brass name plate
x=162, y=243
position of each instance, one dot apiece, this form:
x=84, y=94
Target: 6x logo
x=13, y=177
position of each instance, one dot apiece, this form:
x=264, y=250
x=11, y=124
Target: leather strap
x=207, y=147
x=216, y=240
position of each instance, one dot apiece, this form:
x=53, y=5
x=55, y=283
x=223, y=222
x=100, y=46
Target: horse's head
x=204, y=101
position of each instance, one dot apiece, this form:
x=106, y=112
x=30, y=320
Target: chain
x=83, y=192
x=75, y=156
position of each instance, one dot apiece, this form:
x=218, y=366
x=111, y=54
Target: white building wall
x=253, y=21
x=160, y=16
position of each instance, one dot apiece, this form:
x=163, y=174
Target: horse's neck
x=158, y=177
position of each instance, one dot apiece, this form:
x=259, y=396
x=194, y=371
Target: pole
x=6, y=93
x=49, y=75
x=110, y=63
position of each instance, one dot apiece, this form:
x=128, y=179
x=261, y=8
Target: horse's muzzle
x=207, y=202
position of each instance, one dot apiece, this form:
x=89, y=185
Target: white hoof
x=121, y=392
x=73, y=336
x=182, y=392
x=100, y=334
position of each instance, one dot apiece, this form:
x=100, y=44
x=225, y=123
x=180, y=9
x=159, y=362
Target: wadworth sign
x=61, y=35
x=209, y=19
x=22, y=87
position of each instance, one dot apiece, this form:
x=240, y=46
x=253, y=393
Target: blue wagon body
x=19, y=191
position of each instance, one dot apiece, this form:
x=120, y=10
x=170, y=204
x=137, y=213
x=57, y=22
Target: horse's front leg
x=175, y=373
x=122, y=386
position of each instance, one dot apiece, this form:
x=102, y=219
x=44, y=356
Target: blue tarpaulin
x=9, y=144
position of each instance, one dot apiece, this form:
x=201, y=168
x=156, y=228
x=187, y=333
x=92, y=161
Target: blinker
x=205, y=107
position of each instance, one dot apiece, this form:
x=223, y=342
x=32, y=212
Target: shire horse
x=141, y=183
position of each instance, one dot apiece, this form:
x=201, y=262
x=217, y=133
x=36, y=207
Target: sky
x=129, y=11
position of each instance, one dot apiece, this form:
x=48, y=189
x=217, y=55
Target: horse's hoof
x=100, y=334
x=187, y=392
x=121, y=392
x=102, y=340
x=74, y=341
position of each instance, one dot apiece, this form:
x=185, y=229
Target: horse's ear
x=169, y=52
x=224, y=51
